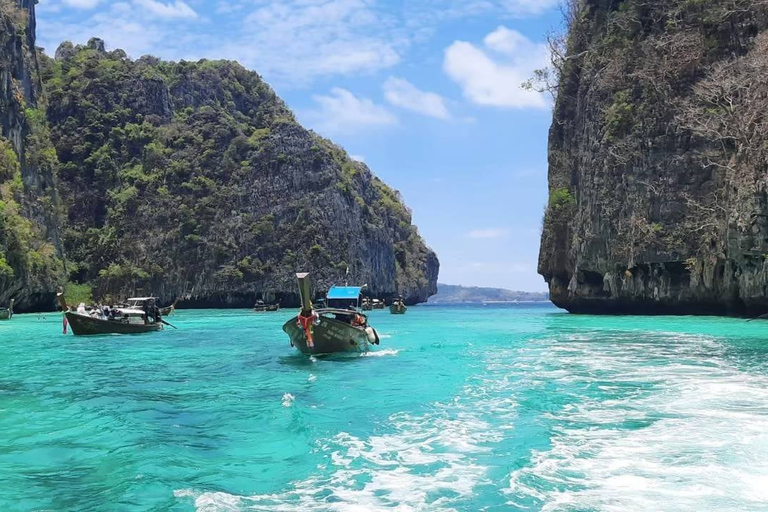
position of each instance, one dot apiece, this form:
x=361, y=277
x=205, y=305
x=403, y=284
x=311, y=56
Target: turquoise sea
x=461, y=408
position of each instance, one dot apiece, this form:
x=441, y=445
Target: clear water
x=462, y=408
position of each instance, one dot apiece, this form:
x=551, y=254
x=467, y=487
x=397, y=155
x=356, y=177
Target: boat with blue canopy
x=338, y=327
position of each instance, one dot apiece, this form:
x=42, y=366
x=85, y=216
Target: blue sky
x=426, y=92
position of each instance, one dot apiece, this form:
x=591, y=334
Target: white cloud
x=118, y=28
x=401, y=93
x=82, y=4
x=488, y=233
x=176, y=9
x=123, y=25
x=525, y=7
x=228, y=7
x=424, y=15
x=504, y=40
x=342, y=112
x=296, y=41
x=498, y=81
x=289, y=42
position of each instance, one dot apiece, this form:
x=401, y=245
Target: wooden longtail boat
x=7, y=314
x=367, y=305
x=136, y=303
x=378, y=304
x=338, y=328
x=168, y=311
x=398, y=307
x=129, y=320
x=261, y=307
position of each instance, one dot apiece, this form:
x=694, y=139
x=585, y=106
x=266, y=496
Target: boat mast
x=304, y=293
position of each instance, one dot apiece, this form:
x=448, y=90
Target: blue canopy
x=344, y=292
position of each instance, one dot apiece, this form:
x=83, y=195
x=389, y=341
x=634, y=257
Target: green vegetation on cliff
x=30, y=266
x=188, y=179
x=194, y=179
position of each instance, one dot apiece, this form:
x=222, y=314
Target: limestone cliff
x=659, y=159
x=30, y=265
x=194, y=179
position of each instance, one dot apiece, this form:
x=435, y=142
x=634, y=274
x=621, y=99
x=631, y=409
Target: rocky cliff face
x=659, y=159
x=30, y=266
x=195, y=180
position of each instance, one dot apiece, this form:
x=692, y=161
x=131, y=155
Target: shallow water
x=462, y=408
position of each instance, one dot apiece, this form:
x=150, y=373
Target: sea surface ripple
x=518, y=407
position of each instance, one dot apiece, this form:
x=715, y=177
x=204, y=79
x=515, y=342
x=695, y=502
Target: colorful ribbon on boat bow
x=305, y=323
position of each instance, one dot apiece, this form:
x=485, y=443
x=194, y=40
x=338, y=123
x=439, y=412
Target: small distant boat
x=261, y=307
x=337, y=328
x=367, y=304
x=7, y=314
x=378, y=304
x=116, y=320
x=398, y=307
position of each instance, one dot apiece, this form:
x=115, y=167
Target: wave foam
x=689, y=431
x=427, y=462
x=288, y=400
x=381, y=353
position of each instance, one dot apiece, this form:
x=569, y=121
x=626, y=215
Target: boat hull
x=88, y=326
x=266, y=309
x=167, y=311
x=5, y=314
x=330, y=337
x=395, y=310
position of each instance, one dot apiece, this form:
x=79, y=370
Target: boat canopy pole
x=304, y=292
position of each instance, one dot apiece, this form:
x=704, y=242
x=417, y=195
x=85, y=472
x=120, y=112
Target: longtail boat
x=398, y=307
x=337, y=328
x=367, y=304
x=136, y=303
x=168, y=311
x=7, y=314
x=116, y=320
x=378, y=304
x=262, y=307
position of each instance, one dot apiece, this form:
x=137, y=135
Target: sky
x=426, y=92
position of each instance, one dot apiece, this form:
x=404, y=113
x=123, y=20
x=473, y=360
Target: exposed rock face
x=30, y=269
x=658, y=160
x=195, y=180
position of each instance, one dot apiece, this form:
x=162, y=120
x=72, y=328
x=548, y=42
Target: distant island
x=452, y=294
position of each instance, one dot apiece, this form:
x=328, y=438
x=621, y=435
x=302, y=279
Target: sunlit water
x=462, y=408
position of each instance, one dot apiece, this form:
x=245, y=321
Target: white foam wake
x=427, y=461
x=693, y=436
x=288, y=400
x=381, y=353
